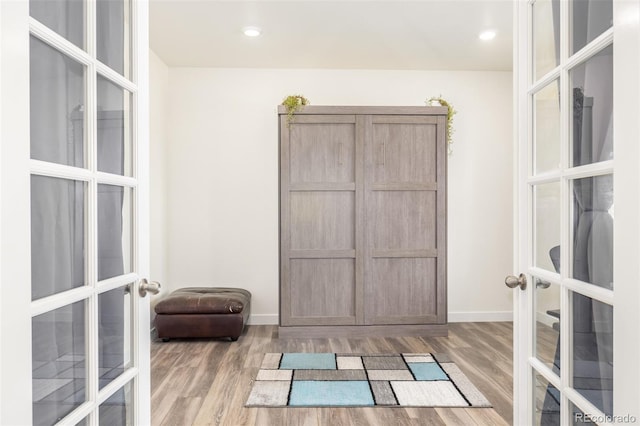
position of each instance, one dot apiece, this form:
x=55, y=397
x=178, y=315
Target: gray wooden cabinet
x=363, y=221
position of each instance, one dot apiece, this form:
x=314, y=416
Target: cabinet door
x=405, y=235
x=321, y=280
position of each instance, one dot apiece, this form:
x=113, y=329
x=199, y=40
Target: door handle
x=152, y=287
x=513, y=282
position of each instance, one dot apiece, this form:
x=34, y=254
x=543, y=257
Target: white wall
x=159, y=85
x=222, y=175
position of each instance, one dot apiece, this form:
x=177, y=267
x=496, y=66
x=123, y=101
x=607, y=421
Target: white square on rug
x=274, y=375
x=428, y=393
x=349, y=363
x=269, y=393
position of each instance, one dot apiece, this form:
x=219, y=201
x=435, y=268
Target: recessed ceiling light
x=251, y=31
x=487, y=35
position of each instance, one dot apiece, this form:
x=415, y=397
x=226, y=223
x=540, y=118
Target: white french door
x=577, y=103
x=74, y=327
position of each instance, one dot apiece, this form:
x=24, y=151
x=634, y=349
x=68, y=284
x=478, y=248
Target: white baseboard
x=483, y=316
x=263, y=319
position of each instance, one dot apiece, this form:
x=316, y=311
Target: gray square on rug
x=384, y=362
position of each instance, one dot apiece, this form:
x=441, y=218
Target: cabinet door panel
x=322, y=153
x=323, y=291
x=404, y=152
x=322, y=220
x=403, y=220
x=403, y=290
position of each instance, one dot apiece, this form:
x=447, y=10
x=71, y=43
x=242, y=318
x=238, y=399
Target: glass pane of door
x=114, y=128
x=593, y=230
x=114, y=333
x=115, y=231
x=589, y=19
x=546, y=36
x=592, y=109
x=118, y=408
x=113, y=36
x=592, y=350
x=547, y=226
x=59, y=369
x=546, y=128
x=547, y=324
x=65, y=17
x=57, y=106
x=58, y=235
x=546, y=402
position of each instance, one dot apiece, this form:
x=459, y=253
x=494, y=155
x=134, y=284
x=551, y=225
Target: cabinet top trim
x=372, y=110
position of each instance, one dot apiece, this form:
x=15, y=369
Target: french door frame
x=16, y=307
x=625, y=36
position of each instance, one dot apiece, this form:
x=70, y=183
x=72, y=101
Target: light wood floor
x=206, y=382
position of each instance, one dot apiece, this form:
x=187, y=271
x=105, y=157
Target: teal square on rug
x=312, y=393
x=298, y=361
x=427, y=371
x=362, y=380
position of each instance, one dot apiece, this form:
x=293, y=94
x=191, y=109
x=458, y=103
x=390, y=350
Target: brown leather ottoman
x=203, y=312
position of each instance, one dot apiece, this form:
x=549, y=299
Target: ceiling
x=404, y=35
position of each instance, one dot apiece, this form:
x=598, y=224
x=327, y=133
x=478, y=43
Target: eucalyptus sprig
x=450, y=113
x=293, y=103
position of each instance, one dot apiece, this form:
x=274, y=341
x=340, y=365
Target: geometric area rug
x=362, y=380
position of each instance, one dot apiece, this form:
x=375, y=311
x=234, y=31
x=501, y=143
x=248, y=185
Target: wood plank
x=425, y=416
x=183, y=411
x=455, y=417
